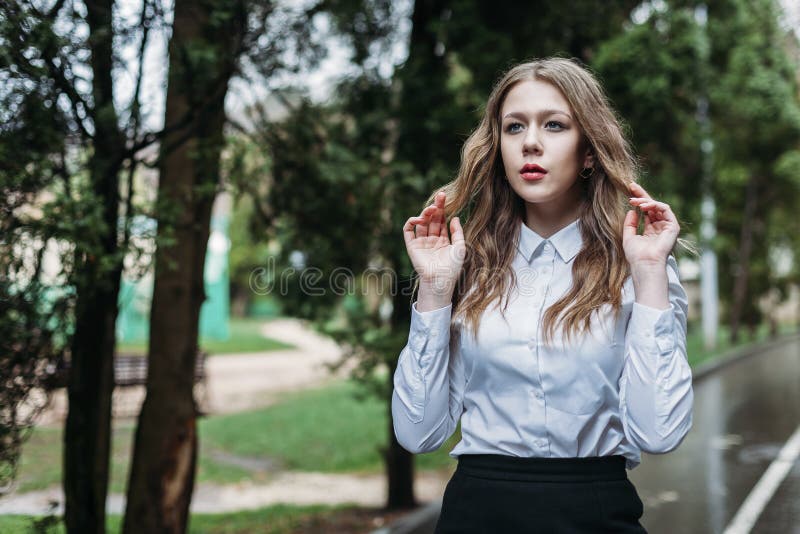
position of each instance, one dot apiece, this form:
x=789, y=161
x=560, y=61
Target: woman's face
x=537, y=127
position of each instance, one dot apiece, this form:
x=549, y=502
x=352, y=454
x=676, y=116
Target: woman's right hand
x=436, y=258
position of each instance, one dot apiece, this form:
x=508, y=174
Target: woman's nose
x=531, y=142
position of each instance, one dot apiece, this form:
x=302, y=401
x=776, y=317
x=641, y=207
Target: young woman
x=548, y=325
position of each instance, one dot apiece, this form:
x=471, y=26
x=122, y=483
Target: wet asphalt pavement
x=744, y=413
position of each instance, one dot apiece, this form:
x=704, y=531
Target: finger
x=422, y=227
x=438, y=225
x=408, y=229
x=652, y=206
x=440, y=201
x=435, y=227
x=659, y=211
x=456, y=232
x=631, y=225
x=638, y=190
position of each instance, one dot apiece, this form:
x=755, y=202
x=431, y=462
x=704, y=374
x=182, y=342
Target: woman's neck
x=549, y=219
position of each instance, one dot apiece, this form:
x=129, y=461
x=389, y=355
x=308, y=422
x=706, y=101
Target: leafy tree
x=57, y=65
x=70, y=152
x=655, y=73
x=211, y=43
x=32, y=336
x=357, y=169
x=756, y=115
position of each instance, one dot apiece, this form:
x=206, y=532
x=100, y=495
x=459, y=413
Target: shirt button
x=541, y=442
x=538, y=395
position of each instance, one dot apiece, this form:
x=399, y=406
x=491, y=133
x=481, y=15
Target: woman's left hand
x=660, y=229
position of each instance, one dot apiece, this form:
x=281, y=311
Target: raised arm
x=428, y=380
x=428, y=383
x=656, y=394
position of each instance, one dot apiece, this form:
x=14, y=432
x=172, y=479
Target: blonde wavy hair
x=492, y=212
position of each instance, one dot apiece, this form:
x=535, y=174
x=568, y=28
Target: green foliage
x=656, y=71
x=490, y=37
x=756, y=117
x=652, y=75
x=34, y=329
x=66, y=153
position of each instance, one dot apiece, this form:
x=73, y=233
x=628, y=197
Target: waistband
x=503, y=467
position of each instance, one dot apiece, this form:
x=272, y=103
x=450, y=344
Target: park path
x=289, y=487
x=238, y=382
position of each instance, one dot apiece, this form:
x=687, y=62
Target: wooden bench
x=130, y=370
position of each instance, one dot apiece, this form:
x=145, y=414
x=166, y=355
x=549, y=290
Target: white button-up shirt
x=623, y=388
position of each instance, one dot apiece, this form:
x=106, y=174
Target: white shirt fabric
x=624, y=388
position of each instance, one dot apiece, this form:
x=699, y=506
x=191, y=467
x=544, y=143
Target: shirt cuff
x=430, y=330
x=651, y=325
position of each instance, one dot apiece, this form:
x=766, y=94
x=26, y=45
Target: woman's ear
x=589, y=159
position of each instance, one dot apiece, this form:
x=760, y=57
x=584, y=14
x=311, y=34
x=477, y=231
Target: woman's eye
x=510, y=127
x=558, y=124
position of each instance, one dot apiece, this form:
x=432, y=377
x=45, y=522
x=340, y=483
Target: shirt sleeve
x=656, y=394
x=428, y=393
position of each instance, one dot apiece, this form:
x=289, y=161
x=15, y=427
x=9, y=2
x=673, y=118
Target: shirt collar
x=567, y=241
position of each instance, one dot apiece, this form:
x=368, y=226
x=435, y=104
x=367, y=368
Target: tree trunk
x=87, y=433
x=416, y=142
x=399, y=467
x=165, y=455
x=399, y=462
x=743, y=261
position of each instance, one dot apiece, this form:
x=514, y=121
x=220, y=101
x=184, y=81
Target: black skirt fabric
x=497, y=494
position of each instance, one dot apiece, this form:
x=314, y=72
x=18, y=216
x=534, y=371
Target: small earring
x=586, y=176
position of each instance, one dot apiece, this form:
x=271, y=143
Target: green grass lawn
x=245, y=337
x=40, y=466
x=698, y=354
x=277, y=519
x=319, y=430
x=325, y=430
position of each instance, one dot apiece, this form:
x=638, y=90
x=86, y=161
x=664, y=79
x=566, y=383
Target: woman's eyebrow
x=541, y=113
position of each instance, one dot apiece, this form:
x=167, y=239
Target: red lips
x=532, y=172
x=532, y=167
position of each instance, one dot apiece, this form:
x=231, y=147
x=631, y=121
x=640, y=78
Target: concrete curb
x=732, y=356
x=424, y=519
x=421, y=520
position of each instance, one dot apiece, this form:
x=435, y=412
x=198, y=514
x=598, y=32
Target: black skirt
x=497, y=494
